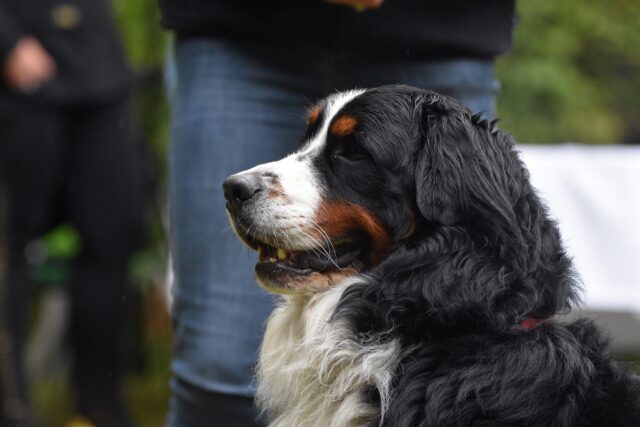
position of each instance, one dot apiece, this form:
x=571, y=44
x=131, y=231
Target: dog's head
x=377, y=169
x=334, y=207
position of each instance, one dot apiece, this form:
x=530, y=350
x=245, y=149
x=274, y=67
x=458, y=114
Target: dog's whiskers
x=319, y=249
x=324, y=235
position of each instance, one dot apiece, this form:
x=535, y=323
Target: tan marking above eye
x=314, y=115
x=344, y=125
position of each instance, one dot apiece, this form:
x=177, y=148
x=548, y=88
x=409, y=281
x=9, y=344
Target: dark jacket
x=400, y=28
x=80, y=36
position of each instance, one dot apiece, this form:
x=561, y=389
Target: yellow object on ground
x=79, y=422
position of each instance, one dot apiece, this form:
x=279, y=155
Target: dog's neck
x=313, y=372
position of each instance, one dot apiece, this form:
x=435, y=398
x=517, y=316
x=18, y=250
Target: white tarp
x=594, y=193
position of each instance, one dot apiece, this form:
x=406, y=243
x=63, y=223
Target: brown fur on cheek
x=340, y=218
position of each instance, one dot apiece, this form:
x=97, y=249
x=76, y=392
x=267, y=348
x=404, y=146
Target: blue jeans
x=235, y=105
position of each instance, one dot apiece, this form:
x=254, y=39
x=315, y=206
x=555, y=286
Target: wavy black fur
x=483, y=256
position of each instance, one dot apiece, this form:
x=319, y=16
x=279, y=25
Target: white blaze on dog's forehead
x=334, y=105
x=295, y=172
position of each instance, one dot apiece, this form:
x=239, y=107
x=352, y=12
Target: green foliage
x=63, y=242
x=145, y=43
x=139, y=22
x=574, y=73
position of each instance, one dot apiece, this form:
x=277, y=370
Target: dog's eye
x=350, y=152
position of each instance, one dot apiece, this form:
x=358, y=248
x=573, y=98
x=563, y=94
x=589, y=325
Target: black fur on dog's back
x=484, y=256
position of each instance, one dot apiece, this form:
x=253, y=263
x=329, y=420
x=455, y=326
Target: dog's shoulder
x=614, y=395
x=555, y=373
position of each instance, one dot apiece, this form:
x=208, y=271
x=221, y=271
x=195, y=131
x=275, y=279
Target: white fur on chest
x=313, y=373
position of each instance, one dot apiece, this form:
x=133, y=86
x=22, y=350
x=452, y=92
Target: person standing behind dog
x=244, y=73
x=67, y=154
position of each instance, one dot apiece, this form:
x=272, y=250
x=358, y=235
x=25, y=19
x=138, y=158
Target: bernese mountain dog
x=420, y=275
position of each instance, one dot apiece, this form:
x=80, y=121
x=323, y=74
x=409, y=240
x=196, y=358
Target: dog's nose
x=240, y=188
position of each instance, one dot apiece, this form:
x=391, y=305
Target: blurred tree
x=145, y=42
x=574, y=73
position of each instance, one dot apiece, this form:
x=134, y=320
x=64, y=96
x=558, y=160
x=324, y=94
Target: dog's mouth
x=342, y=253
x=284, y=269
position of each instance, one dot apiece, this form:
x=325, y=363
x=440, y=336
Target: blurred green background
x=573, y=75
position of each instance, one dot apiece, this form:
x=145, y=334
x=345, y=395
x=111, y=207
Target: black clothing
x=399, y=28
x=80, y=37
x=79, y=165
x=66, y=153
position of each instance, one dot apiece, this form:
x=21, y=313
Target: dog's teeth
x=282, y=254
x=272, y=260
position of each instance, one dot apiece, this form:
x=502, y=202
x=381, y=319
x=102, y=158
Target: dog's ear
x=466, y=172
x=437, y=171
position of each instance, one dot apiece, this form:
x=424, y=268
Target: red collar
x=530, y=323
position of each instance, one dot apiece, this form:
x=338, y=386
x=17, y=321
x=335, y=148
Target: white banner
x=594, y=193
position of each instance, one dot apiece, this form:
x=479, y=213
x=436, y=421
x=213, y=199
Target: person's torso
x=81, y=37
x=399, y=28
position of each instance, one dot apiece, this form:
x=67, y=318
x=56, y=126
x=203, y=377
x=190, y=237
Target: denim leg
x=472, y=81
x=211, y=409
x=232, y=109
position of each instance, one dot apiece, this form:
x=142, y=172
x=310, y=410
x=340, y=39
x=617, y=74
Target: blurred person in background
x=244, y=71
x=67, y=154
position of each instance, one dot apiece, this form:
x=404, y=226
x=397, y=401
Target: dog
x=420, y=275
